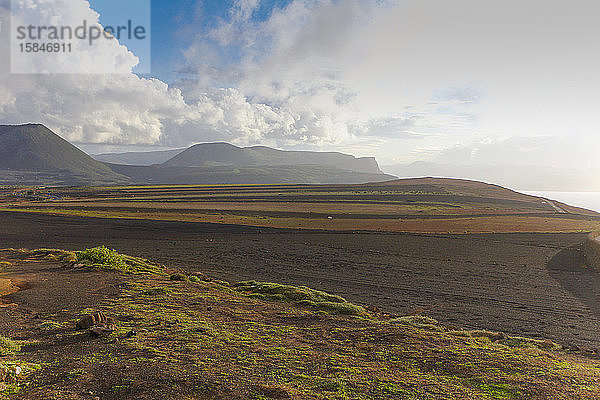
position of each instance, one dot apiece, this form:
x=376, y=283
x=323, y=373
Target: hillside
x=138, y=157
x=33, y=152
x=470, y=188
x=425, y=205
x=188, y=336
x=264, y=174
x=458, y=187
x=224, y=154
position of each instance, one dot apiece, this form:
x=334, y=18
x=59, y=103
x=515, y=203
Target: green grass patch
x=8, y=346
x=15, y=377
x=505, y=340
x=345, y=308
x=300, y=295
x=497, y=390
x=49, y=326
x=55, y=255
x=102, y=258
x=155, y=291
x=110, y=260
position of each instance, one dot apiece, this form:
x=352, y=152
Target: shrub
x=108, y=259
x=103, y=257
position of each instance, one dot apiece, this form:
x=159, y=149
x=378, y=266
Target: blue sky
x=174, y=26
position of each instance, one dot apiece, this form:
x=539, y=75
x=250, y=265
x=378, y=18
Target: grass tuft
x=345, y=308
x=49, y=326
x=293, y=293
x=508, y=341
x=110, y=260
x=178, y=277
x=102, y=258
x=300, y=295
x=8, y=346
x=55, y=255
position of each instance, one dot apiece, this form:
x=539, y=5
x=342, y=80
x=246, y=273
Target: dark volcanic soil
x=523, y=284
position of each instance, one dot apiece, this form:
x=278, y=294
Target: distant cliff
x=225, y=154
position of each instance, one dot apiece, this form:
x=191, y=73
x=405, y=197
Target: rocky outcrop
x=98, y=324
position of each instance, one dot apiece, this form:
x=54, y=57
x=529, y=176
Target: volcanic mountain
x=33, y=154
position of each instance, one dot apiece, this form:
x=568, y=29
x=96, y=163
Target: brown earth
x=423, y=205
x=192, y=341
x=533, y=285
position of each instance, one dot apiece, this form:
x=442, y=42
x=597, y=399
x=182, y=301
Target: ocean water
x=589, y=200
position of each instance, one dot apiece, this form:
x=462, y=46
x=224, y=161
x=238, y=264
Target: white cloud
x=338, y=61
x=561, y=152
x=113, y=107
x=104, y=56
x=467, y=69
x=125, y=109
x=359, y=75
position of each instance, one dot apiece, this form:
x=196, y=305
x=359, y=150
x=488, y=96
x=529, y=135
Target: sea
x=589, y=200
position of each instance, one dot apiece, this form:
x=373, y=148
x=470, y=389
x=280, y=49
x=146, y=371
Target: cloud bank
x=262, y=106
x=404, y=80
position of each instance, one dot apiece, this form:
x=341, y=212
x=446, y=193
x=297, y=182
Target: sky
x=464, y=82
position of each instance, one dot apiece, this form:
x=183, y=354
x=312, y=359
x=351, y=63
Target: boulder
x=91, y=320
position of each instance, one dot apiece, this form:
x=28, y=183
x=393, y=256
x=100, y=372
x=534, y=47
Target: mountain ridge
x=32, y=154
x=226, y=154
x=282, y=174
